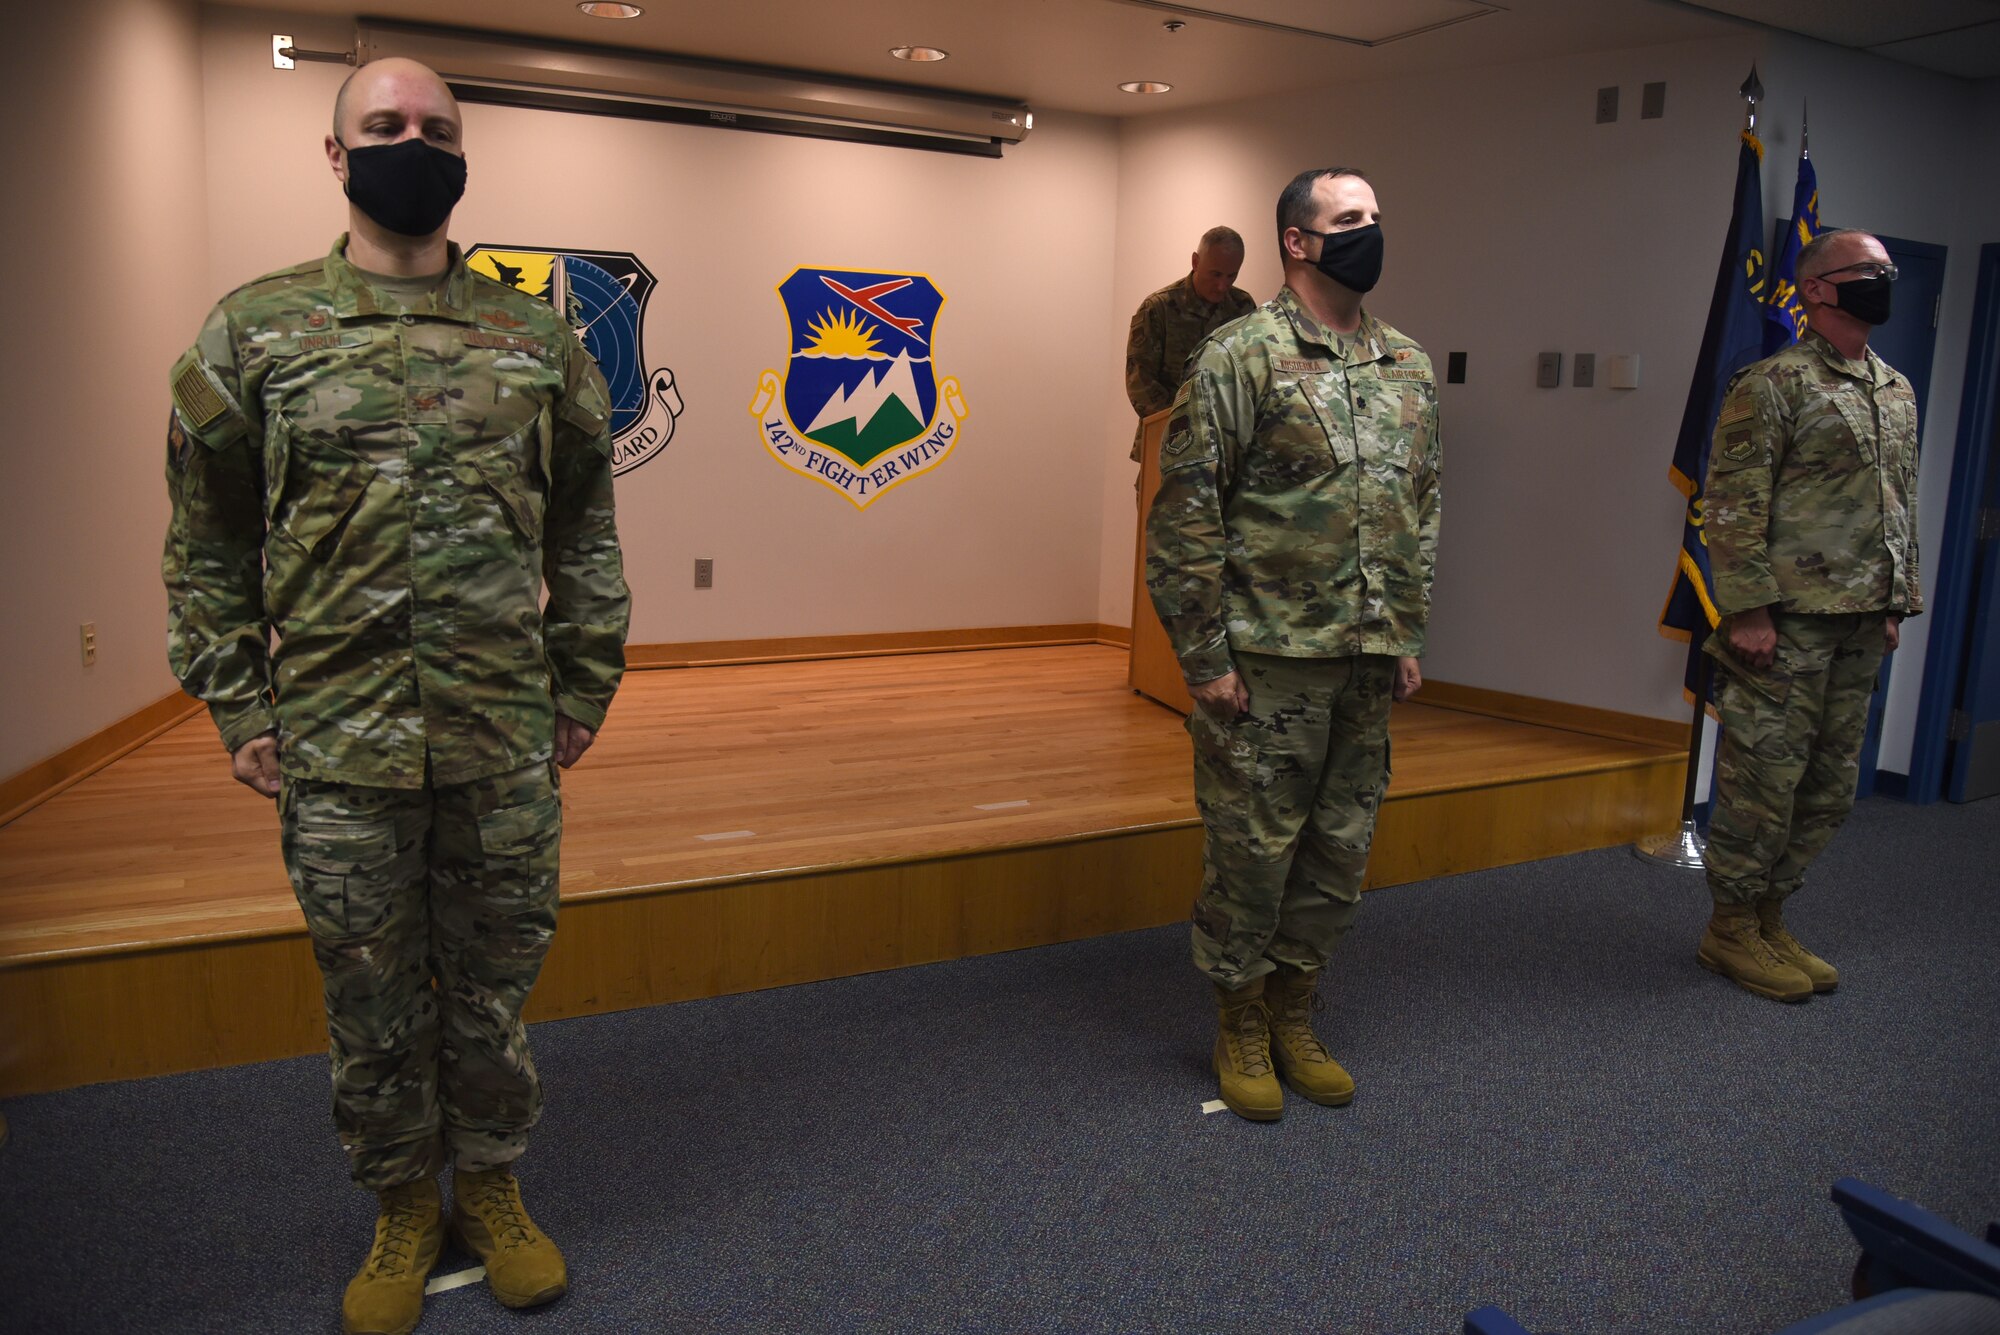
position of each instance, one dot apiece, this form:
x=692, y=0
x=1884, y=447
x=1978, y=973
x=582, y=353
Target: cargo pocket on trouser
x=493, y=916
x=342, y=862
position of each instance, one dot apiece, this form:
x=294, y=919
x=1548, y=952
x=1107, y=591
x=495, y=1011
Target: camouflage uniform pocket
x=531, y=831
x=516, y=471
x=1296, y=437
x=315, y=486
x=340, y=872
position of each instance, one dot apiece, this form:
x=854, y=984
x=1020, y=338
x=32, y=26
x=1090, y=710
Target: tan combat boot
x=1771, y=925
x=1733, y=947
x=387, y=1297
x=1243, y=1053
x=523, y=1268
x=1302, y=1059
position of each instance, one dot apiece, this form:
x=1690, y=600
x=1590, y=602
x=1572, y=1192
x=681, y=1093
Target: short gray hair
x=1221, y=236
x=1807, y=265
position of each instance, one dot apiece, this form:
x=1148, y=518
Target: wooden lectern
x=1155, y=672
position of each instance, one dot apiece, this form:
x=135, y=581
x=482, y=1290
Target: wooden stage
x=737, y=828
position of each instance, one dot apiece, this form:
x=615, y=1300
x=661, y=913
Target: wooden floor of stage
x=748, y=772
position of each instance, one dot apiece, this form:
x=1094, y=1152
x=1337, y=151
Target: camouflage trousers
x=1288, y=795
x=430, y=911
x=1787, y=763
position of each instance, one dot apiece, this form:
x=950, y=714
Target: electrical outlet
x=1548, y=370
x=1607, y=105
x=1583, y=370
x=281, y=42
x=89, y=629
x=704, y=572
x=1652, y=101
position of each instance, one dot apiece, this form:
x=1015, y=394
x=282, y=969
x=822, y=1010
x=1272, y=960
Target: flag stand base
x=1682, y=848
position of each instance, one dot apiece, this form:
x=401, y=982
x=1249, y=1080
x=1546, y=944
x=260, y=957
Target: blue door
x=1906, y=342
x=1973, y=764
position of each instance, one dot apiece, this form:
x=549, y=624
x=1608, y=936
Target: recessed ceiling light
x=919, y=54
x=599, y=11
x=1145, y=86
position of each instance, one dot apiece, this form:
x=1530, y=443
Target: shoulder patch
x=1741, y=411
x=1180, y=434
x=1738, y=446
x=196, y=398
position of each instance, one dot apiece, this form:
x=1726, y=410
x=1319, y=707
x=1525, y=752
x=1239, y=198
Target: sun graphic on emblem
x=840, y=335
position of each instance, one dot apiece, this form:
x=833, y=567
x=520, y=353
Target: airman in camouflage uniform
x=384, y=458
x=1172, y=322
x=1289, y=553
x=1812, y=536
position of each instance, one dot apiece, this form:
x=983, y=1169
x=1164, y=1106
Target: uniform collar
x=1365, y=344
x=1870, y=369
x=353, y=297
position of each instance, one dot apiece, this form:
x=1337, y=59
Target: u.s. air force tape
x=196, y=398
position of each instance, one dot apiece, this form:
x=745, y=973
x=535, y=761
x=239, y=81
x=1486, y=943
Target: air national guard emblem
x=603, y=295
x=860, y=406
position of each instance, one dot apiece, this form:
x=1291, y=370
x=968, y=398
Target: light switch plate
x=1548, y=370
x=1622, y=371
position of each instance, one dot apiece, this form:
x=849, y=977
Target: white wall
x=1005, y=532
x=1515, y=224
x=106, y=267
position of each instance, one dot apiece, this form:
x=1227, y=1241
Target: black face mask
x=1866, y=299
x=409, y=187
x=1352, y=258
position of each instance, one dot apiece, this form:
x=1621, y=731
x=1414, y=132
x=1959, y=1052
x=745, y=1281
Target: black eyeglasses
x=1865, y=270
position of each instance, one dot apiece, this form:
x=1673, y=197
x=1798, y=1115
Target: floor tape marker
x=1000, y=806
x=728, y=834
x=1213, y=1106
x=446, y=1283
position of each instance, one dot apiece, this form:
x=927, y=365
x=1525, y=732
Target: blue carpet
x=1559, y=1113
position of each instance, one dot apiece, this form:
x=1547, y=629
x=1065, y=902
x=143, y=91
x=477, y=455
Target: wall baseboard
x=722, y=653
x=40, y=781
x=1556, y=714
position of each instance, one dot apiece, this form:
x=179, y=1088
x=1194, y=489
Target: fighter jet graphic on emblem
x=860, y=407
x=602, y=293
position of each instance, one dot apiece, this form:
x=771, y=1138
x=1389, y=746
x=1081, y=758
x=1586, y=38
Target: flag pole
x=1685, y=846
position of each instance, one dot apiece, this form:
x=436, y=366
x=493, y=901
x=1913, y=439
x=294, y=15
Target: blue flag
x=1785, y=314
x=1732, y=340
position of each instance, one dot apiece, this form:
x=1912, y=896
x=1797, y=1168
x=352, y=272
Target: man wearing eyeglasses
x=1812, y=536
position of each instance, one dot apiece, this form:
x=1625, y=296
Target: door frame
x=1951, y=607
